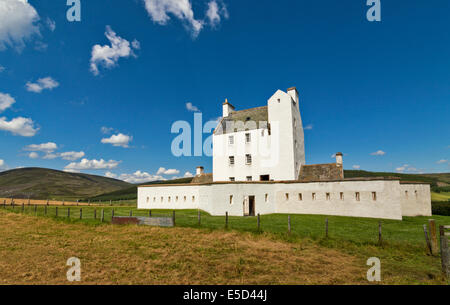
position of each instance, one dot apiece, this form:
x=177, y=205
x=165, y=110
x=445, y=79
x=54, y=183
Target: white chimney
x=293, y=93
x=200, y=170
x=227, y=108
x=339, y=160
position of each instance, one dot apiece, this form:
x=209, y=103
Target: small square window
x=341, y=195
x=287, y=196
x=232, y=179
x=248, y=159
x=184, y=198
x=231, y=199
x=193, y=198
x=328, y=196
x=154, y=199
x=266, y=197
x=313, y=196
x=374, y=196
x=249, y=178
x=176, y=199
x=300, y=196
x=162, y=199
x=231, y=160
x=169, y=199
x=148, y=199
x=357, y=196
x=231, y=140
x=248, y=138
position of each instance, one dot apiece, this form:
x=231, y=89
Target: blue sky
x=365, y=87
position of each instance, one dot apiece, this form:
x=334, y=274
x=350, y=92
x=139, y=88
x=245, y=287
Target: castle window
x=374, y=196
x=279, y=100
x=249, y=178
x=162, y=198
x=148, y=199
x=193, y=198
x=266, y=197
x=313, y=196
x=231, y=199
x=184, y=198
x=341, y=195
x=287, y=196
x=169, y=199
x=248, y=138
x=328, y=196
x=248, y=159
x=176, y=198
x=232, y=179
x=231, y=140
x=231, y=160
x=406, y=194
x=415, y=193
x=357, y=196
x=154, y=199
x=300, y=197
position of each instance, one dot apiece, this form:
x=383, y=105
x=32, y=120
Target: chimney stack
x=339, y=160
x=227, y=108
x=293, y=93
x=200, y=170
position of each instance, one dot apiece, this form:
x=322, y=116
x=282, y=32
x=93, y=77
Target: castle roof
x=321, y=172
x=237, y=120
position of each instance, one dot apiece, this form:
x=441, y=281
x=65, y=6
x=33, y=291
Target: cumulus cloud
x=140, y=177
x=188, y=175
x=6, y=101
x=42, y=84
x=106, y=130
x=118, y=140
x=19, y=126
x=378, y=153
x=215, y=12
x=72, y=155
x=407, y=168
x=191, y=107
x=33, y=155
x=356, y=166
x=2, y=69
x=159, y=11
x=308, y=127
x=17, y=23
x=86, y=164
x=108, y=56
x=163, y=171
x=44, y=147
x=2, y=163
x=442, y=161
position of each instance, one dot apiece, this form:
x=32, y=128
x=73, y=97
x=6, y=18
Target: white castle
x=259, y=168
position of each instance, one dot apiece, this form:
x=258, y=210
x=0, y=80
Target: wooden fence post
x=433, y=237
x=89, y=202
x=95, y=213
x=289, y=224
x=56, y=211
x=112, y=214
x=103, y=215
x=226, y=220
x=259, y=222
x=427, y=239
x=199, y=217
x=28, y=200
x=35, y=209
x=23, y=207
x=380, y=238
x=63, y=203
x=445, y=251
x=131, y=213
x=326, y=227
x=81, y=213
x=173, y=217
x=150, y=213
x=68, y=212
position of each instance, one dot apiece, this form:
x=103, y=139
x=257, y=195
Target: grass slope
x=41, y=183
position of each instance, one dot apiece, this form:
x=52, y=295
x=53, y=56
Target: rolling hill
x=41, y=183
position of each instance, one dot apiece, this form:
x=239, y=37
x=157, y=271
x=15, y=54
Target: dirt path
x=34, y=250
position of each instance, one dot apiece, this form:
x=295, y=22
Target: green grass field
x=403, y=244
x=442, y=196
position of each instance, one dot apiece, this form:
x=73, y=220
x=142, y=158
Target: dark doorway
x=264, y=177
x=251, y=205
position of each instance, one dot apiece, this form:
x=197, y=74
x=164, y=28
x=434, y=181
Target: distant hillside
x=41, y=183
x=131, y=192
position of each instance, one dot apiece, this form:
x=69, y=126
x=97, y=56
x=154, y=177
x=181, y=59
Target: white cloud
x=136, y=44
x=6, y=101
x=163, y=171
x=215, y=11
x=378, y=153
x=110, y=175
x=44, y=147
x=140, y=177
x=33, y=155
x=2, y=163
x=19, y=126
x=118, y=140
x=356, y=166
x=188, y=175
x=407, y=168
x=158, y=11
x=86, y=164
x=41, y=84
x=2, y=69
x=108, y=56
x=106, y=130
x=50, y=156
x=191, y=107
x=51, y=24
x=17, y=23
x=72, y=155
x=443, y=161
x=308, y=127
